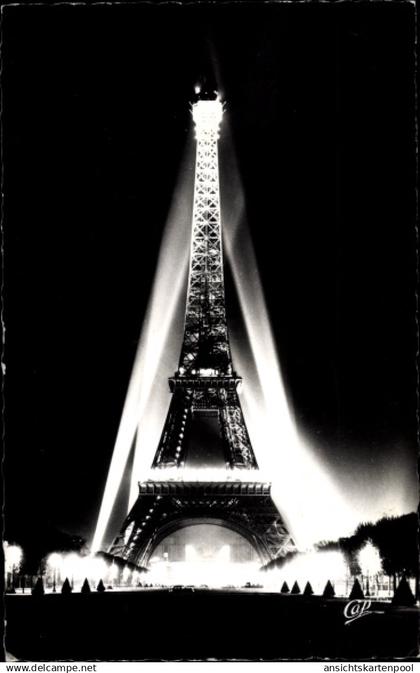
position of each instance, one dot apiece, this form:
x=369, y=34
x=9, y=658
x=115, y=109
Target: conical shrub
x=66, y=588
x=38, y=589
x=308, y=591
x=329, y=590
x=285, y=588
x=403, y=594
x=85, y=587
x=357, y=591
x=100, y=586
x=295, y=589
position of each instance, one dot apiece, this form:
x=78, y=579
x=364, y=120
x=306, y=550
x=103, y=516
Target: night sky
x=96, y=117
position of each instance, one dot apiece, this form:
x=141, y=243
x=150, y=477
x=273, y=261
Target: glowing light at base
x=369, y=560
x=204, y=554
x=113, y=572
x=219, y=572
x=76, y=568
x=13, y=556
x=314, y=567
x=215, y=574
x=126, y=575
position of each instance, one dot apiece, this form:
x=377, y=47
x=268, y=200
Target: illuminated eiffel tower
x=205, y=427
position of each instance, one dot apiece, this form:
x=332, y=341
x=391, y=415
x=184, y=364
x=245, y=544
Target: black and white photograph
x=209, y=301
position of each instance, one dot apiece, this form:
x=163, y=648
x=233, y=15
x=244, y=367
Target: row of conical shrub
x=403, y=595
x=87, y=590
x=66, y=588
x=308, y=591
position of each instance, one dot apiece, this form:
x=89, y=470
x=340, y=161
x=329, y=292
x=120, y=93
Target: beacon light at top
x=207, y=115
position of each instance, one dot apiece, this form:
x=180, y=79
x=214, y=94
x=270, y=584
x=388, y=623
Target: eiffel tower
x=205, y=427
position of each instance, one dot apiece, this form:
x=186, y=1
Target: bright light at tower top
x=208, y=113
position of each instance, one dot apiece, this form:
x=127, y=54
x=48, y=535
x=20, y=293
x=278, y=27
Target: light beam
x=311, y=504
x=168, y=287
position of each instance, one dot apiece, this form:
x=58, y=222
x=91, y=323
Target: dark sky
x=320, y=106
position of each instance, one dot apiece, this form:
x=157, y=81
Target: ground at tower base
x=199, y=624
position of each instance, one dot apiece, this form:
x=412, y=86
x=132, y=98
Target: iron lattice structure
x=205, y=379
x=205, y=426
x=206, y=344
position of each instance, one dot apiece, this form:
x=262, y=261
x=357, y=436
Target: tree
x=100, y=586
x=403, y=594
x=86, y=587
x=66, y=588
x=329, y=590
x=308, y=591
x=357, y=591
x=295, y=589
x=38, y=589
x=395, y=538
